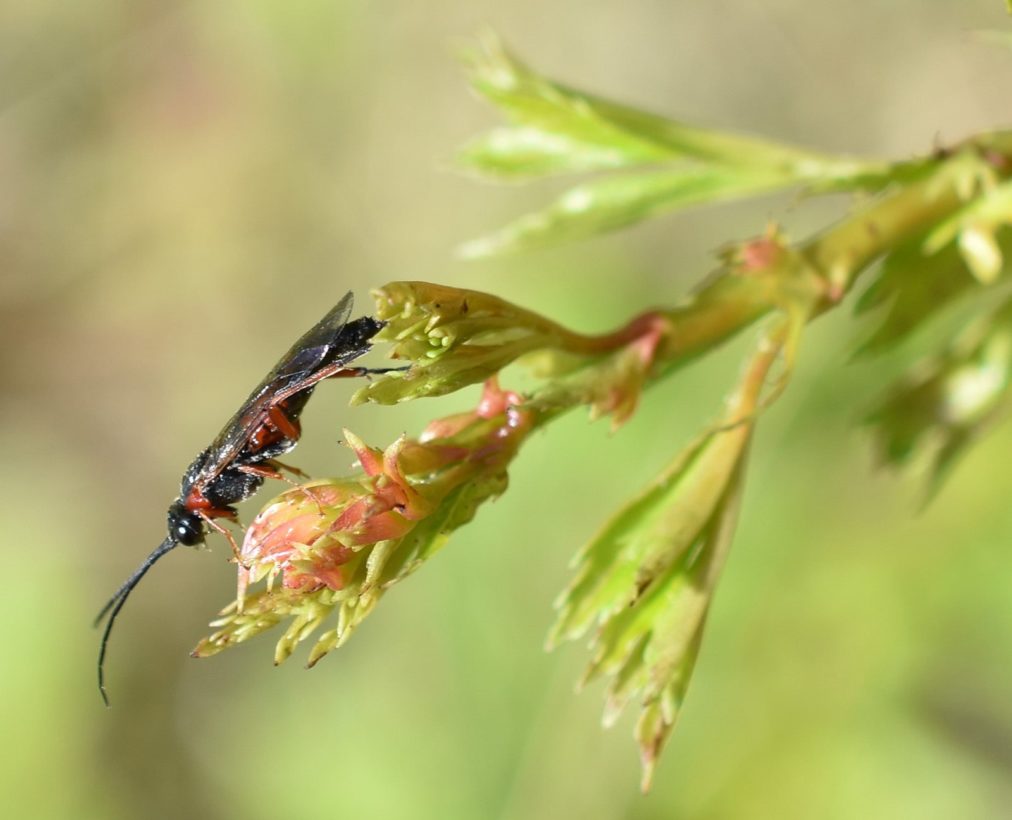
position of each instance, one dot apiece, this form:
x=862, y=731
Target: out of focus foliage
x=186, y=184
x=949, y=400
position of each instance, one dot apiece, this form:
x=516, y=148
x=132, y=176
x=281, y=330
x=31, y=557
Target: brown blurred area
x=185, y=187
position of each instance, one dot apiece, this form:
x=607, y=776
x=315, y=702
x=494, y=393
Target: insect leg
x=289, y=428
x=289, y=469
x=214, y=525
x=272, y=469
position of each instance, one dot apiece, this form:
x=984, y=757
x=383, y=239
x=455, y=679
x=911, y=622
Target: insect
x=245, y=452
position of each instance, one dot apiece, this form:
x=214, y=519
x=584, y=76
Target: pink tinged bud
x=310, y=534
x=620, y=397
x=293, y=518
x=356, y=535
x=495, y=401
x=391, y=489
x=369, y=520
x=647, y=344
x=761, y=253
x=370, y=458
x=504, y=439
x=430, y=452
x=321, y=567
x=274, y=540
x=758, y=254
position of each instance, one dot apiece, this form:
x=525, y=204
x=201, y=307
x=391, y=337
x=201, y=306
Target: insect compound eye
x=189, y=531
x=185, y=527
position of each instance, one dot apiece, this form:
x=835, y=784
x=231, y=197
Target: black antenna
x=115, y=604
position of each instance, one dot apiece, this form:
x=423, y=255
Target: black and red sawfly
x=244, y=454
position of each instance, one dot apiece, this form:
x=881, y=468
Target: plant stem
x=733, y=301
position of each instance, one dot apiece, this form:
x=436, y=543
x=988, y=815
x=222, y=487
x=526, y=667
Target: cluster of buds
x=337, y=544
x=455, y=337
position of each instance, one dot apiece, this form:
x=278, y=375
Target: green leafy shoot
x=645, y=583
x=556, y=129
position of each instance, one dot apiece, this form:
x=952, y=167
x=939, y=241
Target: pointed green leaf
x=596, y=125
x=649, y=645
x=651, y=533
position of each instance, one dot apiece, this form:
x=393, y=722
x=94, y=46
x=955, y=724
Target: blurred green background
x=187, y=186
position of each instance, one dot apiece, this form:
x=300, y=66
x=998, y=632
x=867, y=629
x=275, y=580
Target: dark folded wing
x=295, y=371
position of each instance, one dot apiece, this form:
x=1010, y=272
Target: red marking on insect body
x=264, y=437
x=278, y=426
x=196, y=500
x=290, y=427
x=200, y=504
